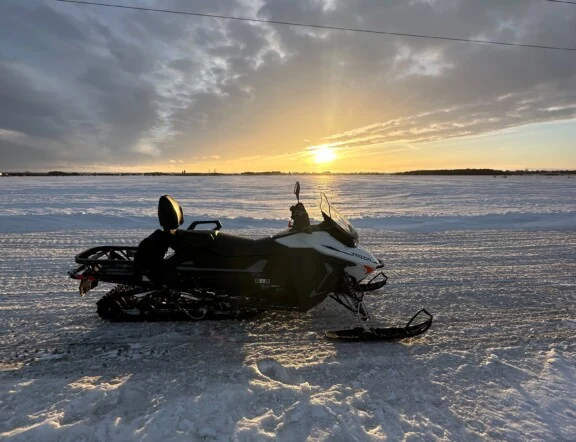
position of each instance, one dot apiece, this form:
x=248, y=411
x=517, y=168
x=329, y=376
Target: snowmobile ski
x=410, y=330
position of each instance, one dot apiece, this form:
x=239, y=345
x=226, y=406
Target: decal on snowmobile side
x=356, y=255
x=327, y=245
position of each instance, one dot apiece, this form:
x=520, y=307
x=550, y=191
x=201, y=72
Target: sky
x=88, y=88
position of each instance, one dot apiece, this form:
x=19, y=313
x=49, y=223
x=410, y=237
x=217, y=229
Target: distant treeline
x=486, y=172
x=272, y=172
x=493, y=172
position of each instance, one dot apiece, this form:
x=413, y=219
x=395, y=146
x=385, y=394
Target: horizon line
x=462, y=171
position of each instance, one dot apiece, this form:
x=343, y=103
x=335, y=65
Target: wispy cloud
x=480, y=117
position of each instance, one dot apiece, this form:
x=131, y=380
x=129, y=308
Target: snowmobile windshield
x=338, y=221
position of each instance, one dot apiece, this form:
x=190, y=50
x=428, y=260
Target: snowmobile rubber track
x=384, y=334
x=122, y=304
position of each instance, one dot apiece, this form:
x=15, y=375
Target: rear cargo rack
x=103, y=254
x=113, y=264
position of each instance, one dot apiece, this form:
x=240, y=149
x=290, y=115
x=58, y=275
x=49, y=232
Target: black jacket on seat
x=151, y=251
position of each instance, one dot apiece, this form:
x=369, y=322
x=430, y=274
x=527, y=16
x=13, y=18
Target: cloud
x=11, y=134
x=539, y=104
x=408, y=62
x=147, y=148
x=88, y=85
x=16, y=156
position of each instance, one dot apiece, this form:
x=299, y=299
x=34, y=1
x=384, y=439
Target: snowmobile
x=196, y=274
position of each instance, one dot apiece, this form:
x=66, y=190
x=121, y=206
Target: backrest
x=170, y=213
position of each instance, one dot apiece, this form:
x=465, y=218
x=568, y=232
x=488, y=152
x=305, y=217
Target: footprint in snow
x=277, y=372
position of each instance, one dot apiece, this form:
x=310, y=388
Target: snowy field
x=493, y=259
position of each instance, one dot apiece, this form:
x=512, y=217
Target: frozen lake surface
x=384, y=202
x=493, y=259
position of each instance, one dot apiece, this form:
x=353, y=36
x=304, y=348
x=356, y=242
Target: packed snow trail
x=498, y=364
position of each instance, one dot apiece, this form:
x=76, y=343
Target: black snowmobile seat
x=193, y=239
x=222, y=244
x=170, y=213
x=241, y=246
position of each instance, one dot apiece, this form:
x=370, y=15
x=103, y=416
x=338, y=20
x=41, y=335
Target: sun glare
x=324, y=154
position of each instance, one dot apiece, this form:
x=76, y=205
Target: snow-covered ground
x=493, y=259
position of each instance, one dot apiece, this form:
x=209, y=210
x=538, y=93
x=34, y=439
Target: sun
x=324, y=154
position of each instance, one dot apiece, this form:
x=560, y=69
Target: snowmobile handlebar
x=300, y=217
